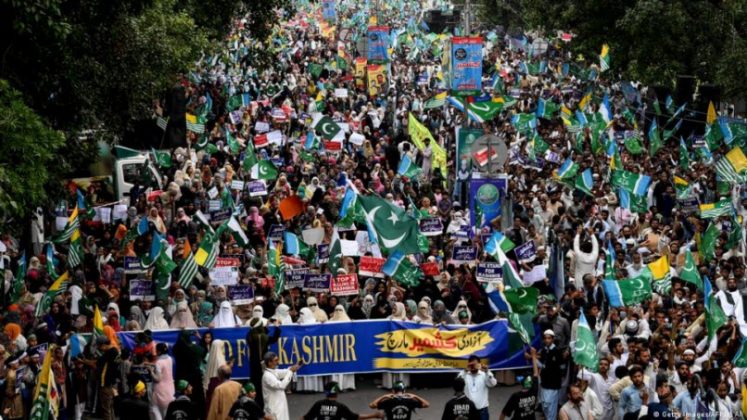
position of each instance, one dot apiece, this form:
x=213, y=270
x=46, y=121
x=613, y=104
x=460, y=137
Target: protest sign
x=276, y=232
x=219, y=216
x=344, y=285
x=430, y=268
x=466, y=65
x=371, y=266
x=464, y=254
x=295, y=278
x=538, y=273
x=142, y=290
x=241, y=294
x=313, y=236
x=132, y=265
x=237, y=184
x=526, y=251
x=256, y=188
x=431, y=226
x=225, y=272
x=489, y=271
x=317, y=283
x=322, y=253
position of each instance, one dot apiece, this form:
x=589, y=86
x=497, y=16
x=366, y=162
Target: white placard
x=349, y=248
x=237, y=184
x=213, y=205
x=224, y=276
x=275, y=137
x=261, y=127
x=357, y=139
x=361, y=237
x=119, y=212
x=213, y=193
x=538, y=273
x=313, y=236
x=344, y=126
x=105, y=214
x=60, y=222
x=341, y=93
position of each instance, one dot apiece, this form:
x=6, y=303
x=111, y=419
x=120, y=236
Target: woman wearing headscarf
x=318, y=313
x=156, y=321
x=399, y=313
x=113, y=317
x=13, y=331
x=411, y=307
x=216, y=359
x=423, y=316
x=368, y=305
x=381, y=309
x=282, y=315
x=345, y=380
x=183, y=317
x=259, y=341
x=112, y=336
x=179, y=296
x=188, y=356
x=440, y=315
x=462, y=307
x=155, y=218
x=204, y=309
x=136, y=315
x=225, y=317
x=308, y=383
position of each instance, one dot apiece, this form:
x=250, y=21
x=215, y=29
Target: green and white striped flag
x=58, y=287
x=195, y=124
x=75, y=251
x=188, y=269
x=717, y=209
x=207, y=254
x=237, y=232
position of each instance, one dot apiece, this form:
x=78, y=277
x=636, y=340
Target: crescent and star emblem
x=480, y=107
x=388, y=242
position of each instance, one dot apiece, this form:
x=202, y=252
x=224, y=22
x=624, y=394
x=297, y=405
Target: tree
x=28, y=157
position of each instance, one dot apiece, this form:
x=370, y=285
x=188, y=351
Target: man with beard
x=678, y=377
x=575, y=408
x=617, y=353
x=553, y=365
x=731, y=300
x=550, y=319
x=632, y=396
x=687, y=402
x=521, y=404
x=600, y=383
x=661, y=409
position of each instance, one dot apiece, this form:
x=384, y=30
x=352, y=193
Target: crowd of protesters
x=657, y=358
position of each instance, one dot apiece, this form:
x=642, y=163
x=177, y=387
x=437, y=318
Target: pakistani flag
x=633, y=145
x=498, y=242
x=408, y=168
x=56, y=289
x=237, y=232
x=264, y=169
x=335, y=253
x=609, y=262
x=709, y=241
x=740, y=359
x=634, y=183
x=627, y=291
x=522, y=300
x=478, y=111
x=207, y=252
x=326, y=128
x=717, y=209
x=585, y=182
x=394, y=229
x=585, y=349
x=188, y=269
x=46, y=400
x=690, y=272
x=398, y=267
x=515, y=321
x=163, y=159
x=163, y=266
x=567, y=171
x=715, y=316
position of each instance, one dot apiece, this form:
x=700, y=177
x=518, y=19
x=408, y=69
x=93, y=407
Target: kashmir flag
x=717, y=209
x=163, y=159
x=398, y=267
x=98, y=323
x=275, y=265
x=394, y=229
x=585, y=348
x=264, y=169
x=585, y=101
x=75, y=250
x=604, y=60
x=660, y=268
x=635, y=183
x=585, y=182
x=627, y=292
x=609, y=262
x=418, y=133
x=654, y=138
x=326, y=128
x=498, y=242
x=72, y=225
x=207, y=253
x=195, y=124
x=436, y=102
x=57, y=288
x=188, y=269
x=681, y=187
x=690, y=272
x=408, y=168
x=46, y=400
x=567, y=171
x=732, y=168
x=708, y=242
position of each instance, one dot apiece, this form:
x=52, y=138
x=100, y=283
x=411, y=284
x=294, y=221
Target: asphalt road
x=436, y=390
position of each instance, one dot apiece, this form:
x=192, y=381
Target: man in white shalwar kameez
x=274, y=382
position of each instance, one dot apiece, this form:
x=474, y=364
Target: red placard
x=371, y=266
x=344, y=285
x=430, y=268
x=227, y=262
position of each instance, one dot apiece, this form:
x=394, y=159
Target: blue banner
x=329, y=13
x=378, y=44
x=371, y=346
x=466, y=65
x=485, y=200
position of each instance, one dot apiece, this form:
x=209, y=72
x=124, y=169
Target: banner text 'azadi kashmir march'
x=371, y=346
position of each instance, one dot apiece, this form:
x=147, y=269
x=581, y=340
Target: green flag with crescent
x=585, y=349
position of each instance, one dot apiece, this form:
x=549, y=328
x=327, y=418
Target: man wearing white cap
x=552, y=360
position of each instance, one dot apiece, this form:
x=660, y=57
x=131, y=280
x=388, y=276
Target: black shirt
x=246, y=409
x=107, y=367
x=521, y=405
x=553, y=367
x=327, y=409
x=460, y=408
x=181, y=409
x=399, y=407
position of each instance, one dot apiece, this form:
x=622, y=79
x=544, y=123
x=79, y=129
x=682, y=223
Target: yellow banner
x=418, y=133
x=360, y=72
x=376, y=79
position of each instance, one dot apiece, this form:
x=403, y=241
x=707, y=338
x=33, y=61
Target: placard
x=689, y=205
x=256, y=188
x=526, y=251
x=489, y=271
x=213, y=205
x=276, y=232
x=357, y=139
x=237, y=184
x=349, y=248
x=464, y=254
x=132, y=265
x=430, y=268
x=295, y=278
x=241, y=294
x=275, y=137
x=341, y=93
x=225, y=272
x=371, y=266
x=313, y=236
x=344, y=285
x=219, y=216
x=431, y=226
x=213, y=193
x=317, y=283
x=322, y=253
x=261, y=127
x=142, y=290
x=538, y=273
x=119, y=212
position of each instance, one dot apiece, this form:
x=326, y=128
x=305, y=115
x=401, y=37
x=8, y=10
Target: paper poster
x=341, y=93
x=538, y=273
x=313, y=236
x=142, y=290
x=225, y=272
x=119, y=212
x=237, y=184
x=261, y=127
x=371, y=266
x=344, y=285
x=213, y=193
x=357, y=139
x=317, y=283
x=489, y=272
x=241, y=294
x=349, y=248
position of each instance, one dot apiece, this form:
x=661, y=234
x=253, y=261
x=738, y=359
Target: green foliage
x=650, y=40
x=28, y=158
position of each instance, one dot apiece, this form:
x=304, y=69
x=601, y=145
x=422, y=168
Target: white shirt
x=274, y=382
x=476, y=386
